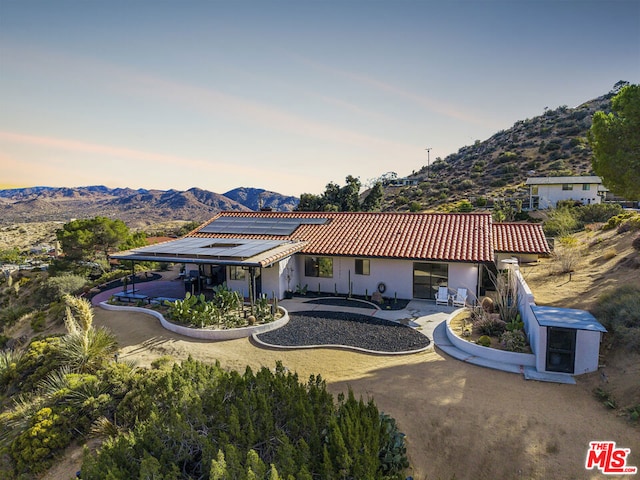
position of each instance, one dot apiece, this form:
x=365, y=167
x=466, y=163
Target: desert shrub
x=619, y=311
x=10, y=315
x=415, y=206
x=566, y=258
x=514, y=341
x=491, y=325
x=38, y=322
x=636, y=243
x=55, y=288
x=609, y=253
x=33, y=450
x=633, y=223
x=561, y=222
x=616, y=221
x=598, y=212
x=484, y=340
x=481, y=202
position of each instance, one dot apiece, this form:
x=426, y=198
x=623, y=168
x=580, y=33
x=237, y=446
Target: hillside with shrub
x=551, y=144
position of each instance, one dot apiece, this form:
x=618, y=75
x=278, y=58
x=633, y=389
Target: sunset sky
x=286, y=95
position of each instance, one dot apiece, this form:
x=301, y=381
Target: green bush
x=33, y=450
x=55, y=288
x=598, y=212
x=484, y=340
x=267, y=421
x=514, y=341
x=616, y=221
x=619, y=312
x=561, y=222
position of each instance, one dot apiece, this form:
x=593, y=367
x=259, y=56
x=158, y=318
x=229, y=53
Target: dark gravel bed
x=343, y=302
x=347, y=329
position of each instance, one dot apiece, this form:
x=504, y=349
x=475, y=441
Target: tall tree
x=373, y=200
x=615, y=141
x=82, y=239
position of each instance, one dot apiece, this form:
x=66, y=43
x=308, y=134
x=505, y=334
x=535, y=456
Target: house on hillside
x=546, y=192
x=403, y=255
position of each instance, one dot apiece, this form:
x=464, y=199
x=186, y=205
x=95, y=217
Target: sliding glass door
x=427, y=277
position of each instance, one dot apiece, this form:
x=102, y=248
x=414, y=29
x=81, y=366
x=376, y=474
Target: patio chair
x=443, y=296
x=461, y=298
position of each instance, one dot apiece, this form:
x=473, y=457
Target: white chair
x=461, y=298
x=443, y=296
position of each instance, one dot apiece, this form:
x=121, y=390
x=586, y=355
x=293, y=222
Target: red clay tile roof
x=519, y=238
x=431, y=236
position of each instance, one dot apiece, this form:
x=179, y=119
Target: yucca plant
x=85, y=348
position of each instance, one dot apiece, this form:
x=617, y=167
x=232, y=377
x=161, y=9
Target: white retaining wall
x=204, y=333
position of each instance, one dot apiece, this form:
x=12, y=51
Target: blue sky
x=286, y=95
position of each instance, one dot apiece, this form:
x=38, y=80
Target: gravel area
x=347, y=329
x=344, y=302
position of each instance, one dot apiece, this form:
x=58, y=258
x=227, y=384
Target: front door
x=561, y=349
x=427, y=277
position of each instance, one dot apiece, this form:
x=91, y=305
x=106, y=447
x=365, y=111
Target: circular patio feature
x=309, y=329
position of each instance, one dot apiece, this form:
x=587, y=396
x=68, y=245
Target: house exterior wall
x=550, y=195
x=397, y=276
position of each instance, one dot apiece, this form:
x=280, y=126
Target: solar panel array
x=259, y=226
x=210, y=247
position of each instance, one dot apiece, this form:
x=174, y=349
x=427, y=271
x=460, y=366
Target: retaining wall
x=205, y=333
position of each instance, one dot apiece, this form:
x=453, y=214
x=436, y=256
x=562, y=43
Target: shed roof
x=566, y=318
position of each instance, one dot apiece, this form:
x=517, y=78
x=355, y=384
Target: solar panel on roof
x=259, y=226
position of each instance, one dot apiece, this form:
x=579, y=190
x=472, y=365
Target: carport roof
x=222, y=251
x=566, y=318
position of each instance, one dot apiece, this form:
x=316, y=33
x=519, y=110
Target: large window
x=318, y=267
x=567, y=186
x=586, y=186
x=236, y=273
x=363, y=267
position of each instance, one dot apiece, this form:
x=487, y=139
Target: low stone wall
x=513, y=358
x=205, y=333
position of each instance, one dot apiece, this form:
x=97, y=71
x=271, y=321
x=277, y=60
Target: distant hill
x=551, y=144
x=257, y=198
x=135, y=207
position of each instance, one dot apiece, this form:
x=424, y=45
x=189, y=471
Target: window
x=586, y=186
x=236, y=273
x=567, y=186
x=363, y=266
x=318, y=267
x=534, y=190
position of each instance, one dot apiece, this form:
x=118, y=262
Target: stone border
x=512, y=358
x=204, y=333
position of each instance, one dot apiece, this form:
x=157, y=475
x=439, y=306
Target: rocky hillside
x=552, y=144
x=257, y=198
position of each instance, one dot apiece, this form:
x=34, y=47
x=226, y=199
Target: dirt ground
x=461, y=421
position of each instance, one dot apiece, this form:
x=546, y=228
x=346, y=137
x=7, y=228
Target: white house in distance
x=403, y=255
x=545, y=192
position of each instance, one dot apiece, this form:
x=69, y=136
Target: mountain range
x=135, y=207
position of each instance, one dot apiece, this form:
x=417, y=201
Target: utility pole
x=428, y=149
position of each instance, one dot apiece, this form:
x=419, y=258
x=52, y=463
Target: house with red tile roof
x=403, y=255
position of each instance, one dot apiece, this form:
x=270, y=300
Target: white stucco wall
x=397, y=275
x=549, y=195
x=587, y=351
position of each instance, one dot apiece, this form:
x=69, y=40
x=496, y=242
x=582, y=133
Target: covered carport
x=210, y=255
